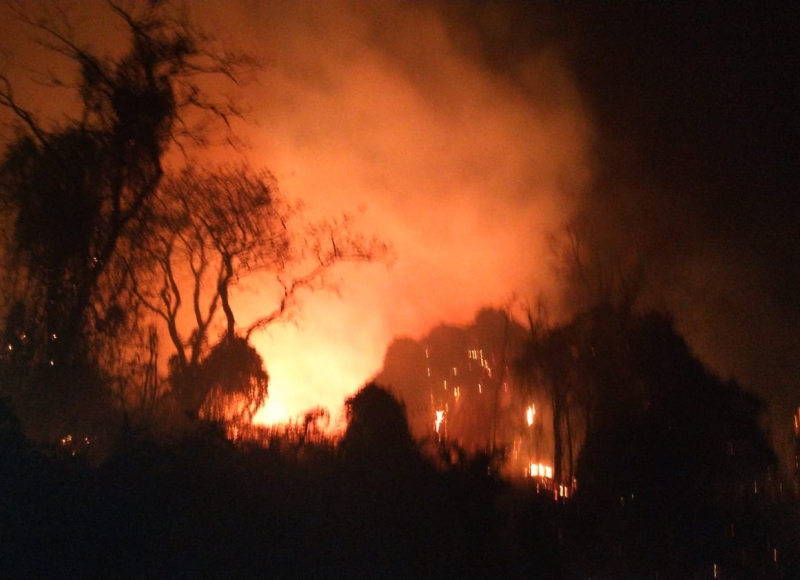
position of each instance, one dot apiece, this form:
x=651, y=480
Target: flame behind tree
x=547, y=362
x=559, y=361
x=219, y=225
x=210, y=230
x=234, y=381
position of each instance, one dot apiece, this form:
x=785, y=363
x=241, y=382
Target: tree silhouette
x=233, y=382
x=595, y=269
x=404, y=369
x=561, y=362
x=548, y=359
x=79, y=190
x=208, y=231
x=711, y=428
x=100, y=237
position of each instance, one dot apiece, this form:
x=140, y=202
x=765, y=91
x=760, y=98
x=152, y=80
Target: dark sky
x=697, y=111
x=708, y=97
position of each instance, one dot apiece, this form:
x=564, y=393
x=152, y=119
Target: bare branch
x=7, y=100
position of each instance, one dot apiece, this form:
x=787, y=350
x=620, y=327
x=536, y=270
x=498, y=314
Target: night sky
x=470, y=132
x=697, y=112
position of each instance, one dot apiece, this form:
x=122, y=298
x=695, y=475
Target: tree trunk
x=222, y=289
x=558, y=444
x=570, y=449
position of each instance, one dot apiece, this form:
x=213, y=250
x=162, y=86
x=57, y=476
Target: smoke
x=465, y=132
x=464, y=166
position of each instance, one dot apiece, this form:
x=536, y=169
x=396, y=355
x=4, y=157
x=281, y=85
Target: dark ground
x=203, y=507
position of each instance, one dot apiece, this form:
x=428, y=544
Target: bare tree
x=545, y=362
x=598, y=276
x=213, y=229
x=132, y=372
x=595, y=270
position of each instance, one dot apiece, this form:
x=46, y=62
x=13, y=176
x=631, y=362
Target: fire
x=529, y=414
x=540, y=470
x=396, y=172
x=439, y=419
x=273, y=412
x=311, y=365
x=75, y=445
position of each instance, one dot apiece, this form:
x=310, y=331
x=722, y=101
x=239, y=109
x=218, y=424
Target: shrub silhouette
x=377, y=428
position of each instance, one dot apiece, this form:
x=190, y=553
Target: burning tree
x=563, y=363
x=547, y=363
x=453, y=381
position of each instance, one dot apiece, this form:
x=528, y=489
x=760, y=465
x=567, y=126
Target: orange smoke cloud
x=463, y=166
x=464, y=169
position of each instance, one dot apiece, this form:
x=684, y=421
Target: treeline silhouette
x=204, y=506
x=377, y=504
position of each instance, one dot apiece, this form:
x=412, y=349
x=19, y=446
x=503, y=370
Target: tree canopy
x=107, y=242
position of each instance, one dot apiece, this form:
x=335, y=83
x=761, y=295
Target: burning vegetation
x=596, y=446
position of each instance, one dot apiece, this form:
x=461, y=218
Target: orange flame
x=439, y=419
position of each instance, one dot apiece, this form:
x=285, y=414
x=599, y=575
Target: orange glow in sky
x=382, y=110
x=457, y=131
x=464, y=170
